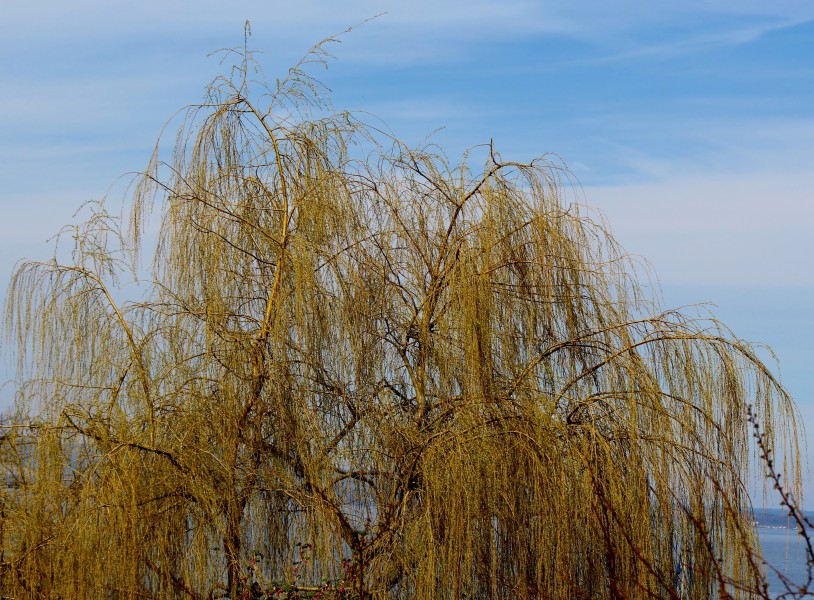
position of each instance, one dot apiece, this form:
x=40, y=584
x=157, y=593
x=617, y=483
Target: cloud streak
x=423, y=30
x=712, y=229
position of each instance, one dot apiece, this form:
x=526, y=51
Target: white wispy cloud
x=691, y=42
x=421, y=30
x=713, y=229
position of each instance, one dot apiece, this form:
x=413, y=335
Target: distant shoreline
x=776, y=518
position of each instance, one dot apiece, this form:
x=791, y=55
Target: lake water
x=785, y=550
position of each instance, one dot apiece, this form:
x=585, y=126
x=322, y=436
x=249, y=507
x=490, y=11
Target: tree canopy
x=360, y=370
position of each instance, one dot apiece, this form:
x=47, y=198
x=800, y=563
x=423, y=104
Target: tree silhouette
x=378, y=377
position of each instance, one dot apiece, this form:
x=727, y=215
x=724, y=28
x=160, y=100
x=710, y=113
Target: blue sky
x=689, y=124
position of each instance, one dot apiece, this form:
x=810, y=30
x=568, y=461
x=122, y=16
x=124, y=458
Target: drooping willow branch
x=441, y=379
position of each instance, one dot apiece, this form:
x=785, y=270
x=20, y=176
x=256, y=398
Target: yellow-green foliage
x=392, y=377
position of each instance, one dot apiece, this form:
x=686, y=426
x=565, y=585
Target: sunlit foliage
x=381, y=377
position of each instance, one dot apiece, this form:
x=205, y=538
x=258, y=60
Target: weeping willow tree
x=388, y=377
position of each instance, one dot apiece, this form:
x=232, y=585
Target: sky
x=689, y=125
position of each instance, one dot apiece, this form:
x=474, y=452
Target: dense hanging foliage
x=380, y=377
